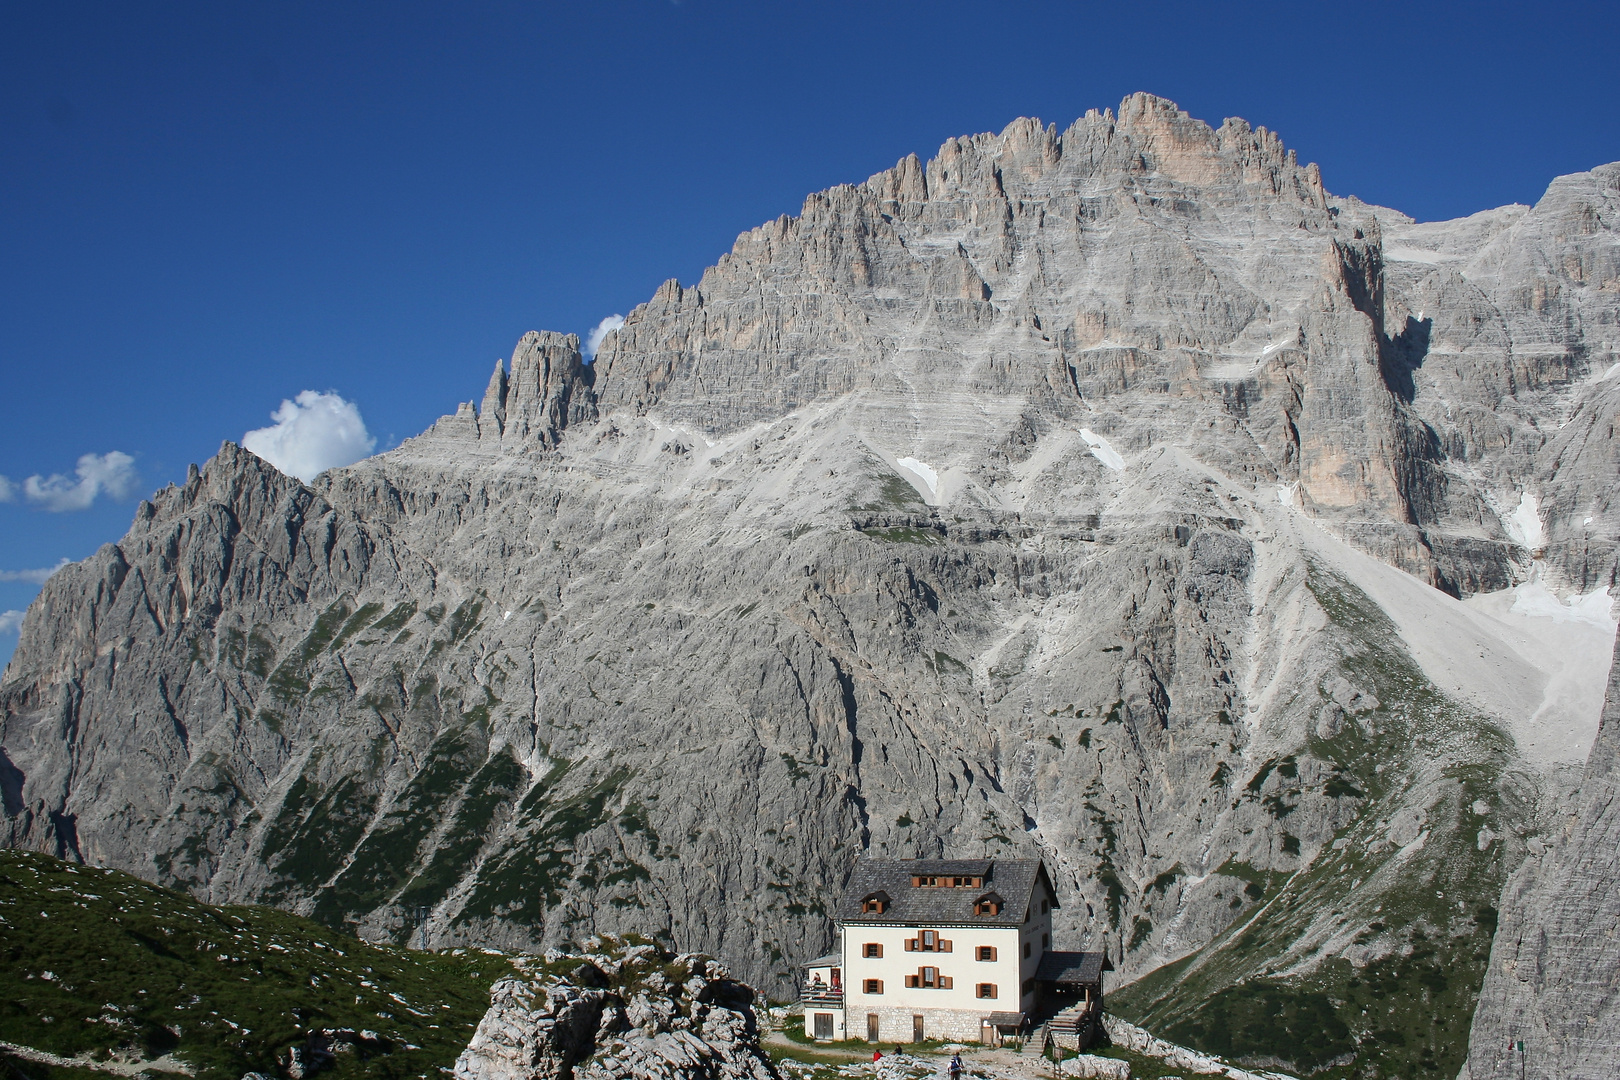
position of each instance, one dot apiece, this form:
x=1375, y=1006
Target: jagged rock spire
x=492, y=418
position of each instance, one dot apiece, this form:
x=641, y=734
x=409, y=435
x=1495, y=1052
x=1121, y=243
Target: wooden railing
x=821, y=996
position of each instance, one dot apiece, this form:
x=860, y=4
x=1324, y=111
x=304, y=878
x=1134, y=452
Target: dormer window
x=988, y=904
x=875, y=904
x=941, y=881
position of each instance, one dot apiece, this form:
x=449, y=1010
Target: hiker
x=956, y=1067
x=877, y=1055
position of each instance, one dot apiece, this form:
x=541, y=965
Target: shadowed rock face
x=1551, y=984
x=1010, y=503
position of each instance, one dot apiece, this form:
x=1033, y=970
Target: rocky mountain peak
x=1109, y=496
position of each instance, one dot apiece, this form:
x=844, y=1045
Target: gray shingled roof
x=1073, y=967
x=1013, y=879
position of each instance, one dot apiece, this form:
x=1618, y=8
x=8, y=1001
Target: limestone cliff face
x=1551, y=985
x=1016, y=502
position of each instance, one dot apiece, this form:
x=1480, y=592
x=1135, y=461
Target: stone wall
x=895, y=1024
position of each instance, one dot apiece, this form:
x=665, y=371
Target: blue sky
x=206, y=209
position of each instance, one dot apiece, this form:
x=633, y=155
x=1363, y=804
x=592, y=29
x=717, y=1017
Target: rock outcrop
x=617, y=1011
x=1550, y=1005
x=1042, y=498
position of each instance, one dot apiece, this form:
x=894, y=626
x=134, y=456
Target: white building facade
x=934, y=949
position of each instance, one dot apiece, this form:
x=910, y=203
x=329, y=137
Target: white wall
x=1007, y=972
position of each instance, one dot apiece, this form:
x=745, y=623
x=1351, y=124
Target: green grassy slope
x=97, y=961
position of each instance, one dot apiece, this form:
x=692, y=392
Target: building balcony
x=821, y=996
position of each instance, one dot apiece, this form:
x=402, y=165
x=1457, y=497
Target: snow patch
x=1524, y=525
x=1102, y=450
x=1537, y=601
x=924, y=471
x=1614, y=369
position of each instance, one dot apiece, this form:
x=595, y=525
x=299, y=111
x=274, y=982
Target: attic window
x=940, y=881
x=988, y=904
x=875, y=904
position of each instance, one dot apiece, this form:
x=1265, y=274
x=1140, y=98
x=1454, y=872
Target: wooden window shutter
x=911, y=944
x=945, y=982
x=944, y=945
x=987, y=952
x=911, y=981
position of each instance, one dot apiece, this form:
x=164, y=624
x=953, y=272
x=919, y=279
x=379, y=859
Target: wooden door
x=873, y=1030
x=916, y=1029
x=824, y=1026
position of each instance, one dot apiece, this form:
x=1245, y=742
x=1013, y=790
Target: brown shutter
x=944, y=945
x=945, y=982
x=911, y=944
x=911, y=981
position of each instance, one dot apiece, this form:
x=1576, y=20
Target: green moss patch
x=529, y=876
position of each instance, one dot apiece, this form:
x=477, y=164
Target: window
x=875, y=904
x=987, y=990
x=929, y=978
x=1046, y=905
x=1029, y=986
x=938, y=881
x=988, y=904
x=872, y=949
x=928, y=941
x=1026, y=950
x=872, y=986
x=1046, y=941
x=987, y=952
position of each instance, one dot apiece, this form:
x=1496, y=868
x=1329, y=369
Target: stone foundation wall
x=894, y=1024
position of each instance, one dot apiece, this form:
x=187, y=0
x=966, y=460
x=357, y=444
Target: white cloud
x=593, y=340
x=35, y=577
x=8, y=490
x=112, y=473
x=313, y=433
x=10, y=621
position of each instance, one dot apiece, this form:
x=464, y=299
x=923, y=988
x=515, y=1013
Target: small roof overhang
x=1005, y=1019
x=1073, y=968
x=832, y=959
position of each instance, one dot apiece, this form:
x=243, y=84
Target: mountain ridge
x=976, y=510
